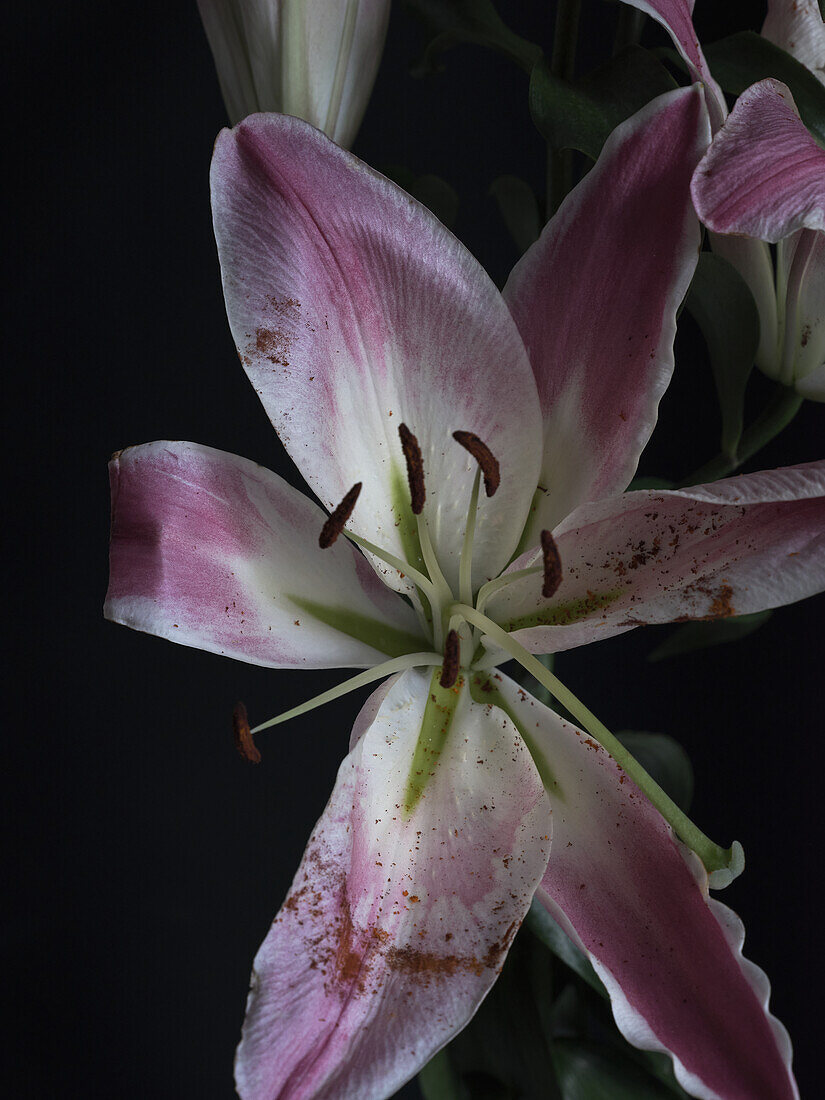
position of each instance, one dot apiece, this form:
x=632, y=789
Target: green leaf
x=451, y=21
x=703, y=635
x=432, y=191
x=665, y=760
x=440, y=1080
x=723, y=307
x=741, y=59
x=519, y=208
x=545, y=929
x=580, y=115
x=589, y=1071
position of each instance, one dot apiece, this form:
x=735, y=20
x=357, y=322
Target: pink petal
x=797, y=26
x=396, y=924
x=212, y=551
x=631, y=896
x=764, y=175
x=739, y=545
x=353, y=310
x=596, y=297
x=676, y=16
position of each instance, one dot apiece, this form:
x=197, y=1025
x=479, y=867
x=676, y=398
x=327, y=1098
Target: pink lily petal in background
x=397, y=923
x=797, y=26
x=764, y=175
x=618, y=882
x=207, y=549
x=676, y=16
x=595, y=300
x=735, y=546
x=353, y=309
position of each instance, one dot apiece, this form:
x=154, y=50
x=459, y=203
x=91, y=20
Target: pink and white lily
x=316, y=59
x=355, y=311
x=763, y=180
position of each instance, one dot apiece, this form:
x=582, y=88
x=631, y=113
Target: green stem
x=628, y=28
x=712, y=855
x=777, y=414
x=562, y=65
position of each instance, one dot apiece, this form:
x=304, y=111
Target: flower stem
x=777, y=414
x=712, y=855
x=562, y=65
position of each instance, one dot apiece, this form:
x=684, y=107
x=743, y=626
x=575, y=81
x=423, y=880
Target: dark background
x=145, y=859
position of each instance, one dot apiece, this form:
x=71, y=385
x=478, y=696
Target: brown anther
x=242, y=735
x=336, y=522
x=484, y=457
x=415, y=468
x=452, y=660
x=552, y=565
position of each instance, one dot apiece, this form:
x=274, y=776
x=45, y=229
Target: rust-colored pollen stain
x=552, y=565
x=336, y=522
x=425, y=965
x=452, y=660
x=415, y=468
x=721, y=607
x=242, y=735
x=485, y=458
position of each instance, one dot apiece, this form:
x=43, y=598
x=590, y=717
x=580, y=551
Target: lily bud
x=316, y=59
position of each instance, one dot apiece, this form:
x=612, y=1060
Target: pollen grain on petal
x=552, y=565
x=484, y=457
x=452, y=660
x=337, y=520
x=242, y=735
x=415, y=468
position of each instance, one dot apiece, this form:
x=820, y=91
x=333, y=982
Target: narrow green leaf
x=440, y=1080
x=723, y=307
x=741, y=59
x=703, y=635
x=432, y=191
x=545, y=929
x=519, y=208
x=665, y=759
x=590, y=1071
x=580, y=115
x=449, y=22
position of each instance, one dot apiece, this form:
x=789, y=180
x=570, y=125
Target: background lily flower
x=789, y=296
x=764, y=140
x=353, y=311
x=316, y=59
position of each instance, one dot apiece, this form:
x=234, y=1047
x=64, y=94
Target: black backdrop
x=145, y=860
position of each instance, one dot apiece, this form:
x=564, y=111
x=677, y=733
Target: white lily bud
x=316, y=59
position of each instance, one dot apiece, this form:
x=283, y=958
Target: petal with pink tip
x=397, y=922
x=764, y=175
x=630, y=895
x=595, y=299
x=797, y=26
x=354, y=310
x=210, y=550
x=739, y=545
x=676, y=16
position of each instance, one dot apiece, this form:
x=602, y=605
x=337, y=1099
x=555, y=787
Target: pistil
x=714, y=857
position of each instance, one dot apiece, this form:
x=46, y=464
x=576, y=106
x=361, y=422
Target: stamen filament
x=712, y=855
x=387, y=668
x=465, y=569
x=424, y=583
x=441, y=590
x=491, y=587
